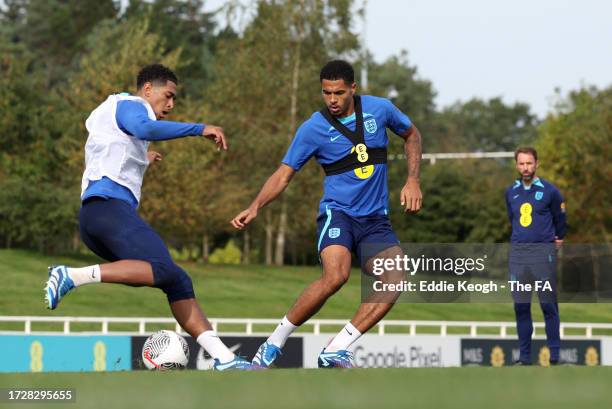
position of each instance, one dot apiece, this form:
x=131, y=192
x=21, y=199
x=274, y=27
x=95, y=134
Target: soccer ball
x=165, y=350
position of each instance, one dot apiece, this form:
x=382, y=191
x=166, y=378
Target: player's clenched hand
x=153, y=156
x=244, y=218
x=411, y=197
x=215, y=133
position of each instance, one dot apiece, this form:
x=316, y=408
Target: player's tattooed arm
x=411, y=197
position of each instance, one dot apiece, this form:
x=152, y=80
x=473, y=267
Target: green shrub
x=230, y=254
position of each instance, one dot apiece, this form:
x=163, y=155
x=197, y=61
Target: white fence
x=433, y=157
x=316, y=326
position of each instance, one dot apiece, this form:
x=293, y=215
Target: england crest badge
x=370, y=125
x=334, y=232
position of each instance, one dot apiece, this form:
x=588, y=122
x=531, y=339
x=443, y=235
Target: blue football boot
x=266, y=354
x=58, y=285
x=336, y=359
x=236, y=364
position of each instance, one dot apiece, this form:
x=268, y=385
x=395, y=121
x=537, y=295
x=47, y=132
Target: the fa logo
x=539, y=195
x=370, y=125
x=333, y=232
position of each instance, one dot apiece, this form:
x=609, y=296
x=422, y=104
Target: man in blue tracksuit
x=537, y=213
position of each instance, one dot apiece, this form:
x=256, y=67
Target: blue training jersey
x=359, y=192
x=537, y=214
x=133, y=119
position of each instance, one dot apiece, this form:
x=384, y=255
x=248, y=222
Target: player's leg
x=190, y=316
x=377, y=304
x=547, y=272
x=552, y=325
x=336, y=261
x=374, y=306
x=130, y=272
x=335, y=242
x=105, y=226
x=115, y=230
x=375, y=239
x=177, y=286
x=520, y=273
x=524, y=330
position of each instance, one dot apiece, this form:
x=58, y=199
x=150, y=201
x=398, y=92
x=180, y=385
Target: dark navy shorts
x=113, y=230
x=364, y=236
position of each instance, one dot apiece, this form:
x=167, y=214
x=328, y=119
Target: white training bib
x=111, y=152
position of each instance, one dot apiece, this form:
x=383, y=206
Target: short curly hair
x=155, y=73
x=338, y=70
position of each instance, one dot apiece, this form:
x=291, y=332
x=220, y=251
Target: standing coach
x=537, y=214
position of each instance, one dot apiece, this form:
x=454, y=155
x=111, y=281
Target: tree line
x=59, y=59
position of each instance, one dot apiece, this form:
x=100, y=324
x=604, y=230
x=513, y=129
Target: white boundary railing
x=412, y=327
x=433, y=157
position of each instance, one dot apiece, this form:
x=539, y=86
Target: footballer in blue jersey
x=358, y=192
x=348, y=138
x=536, y=211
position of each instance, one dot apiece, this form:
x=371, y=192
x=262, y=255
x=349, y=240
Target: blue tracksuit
x=537, y=215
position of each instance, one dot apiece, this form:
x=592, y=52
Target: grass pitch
x=471, y=387
x=252, y=291
x=261, y=291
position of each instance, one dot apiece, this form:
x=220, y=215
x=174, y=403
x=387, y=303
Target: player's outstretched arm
x=273, y=187
x=215, y=134
x=132, y=117
x=411, y=197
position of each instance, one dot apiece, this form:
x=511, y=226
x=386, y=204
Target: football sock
x=84, y=275
x=282, y=332
x=344, y=339
x=209, y=340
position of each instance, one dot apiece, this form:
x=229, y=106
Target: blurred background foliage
x=60, y=58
